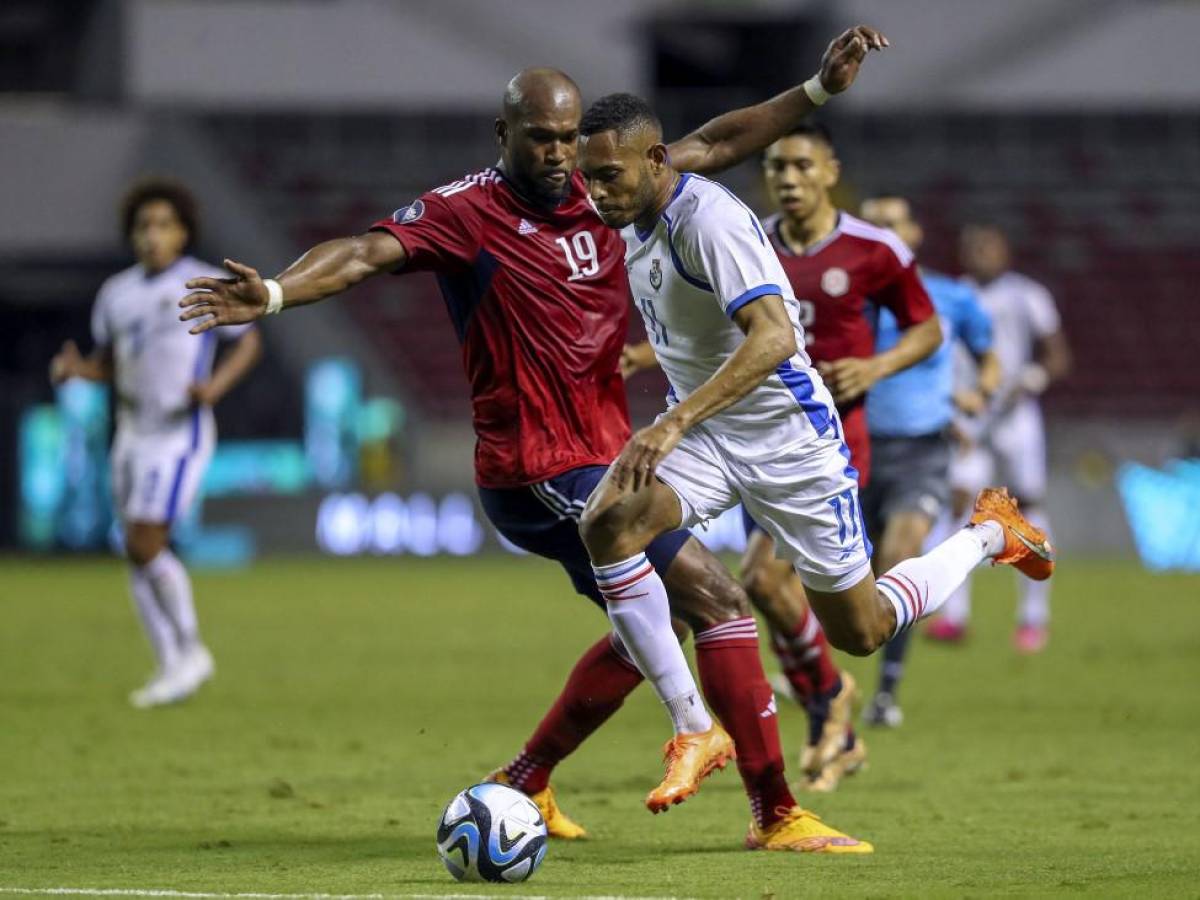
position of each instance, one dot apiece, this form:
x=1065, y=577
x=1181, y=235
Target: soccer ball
x=490, y=832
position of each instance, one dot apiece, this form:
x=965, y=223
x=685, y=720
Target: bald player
x=536, y=289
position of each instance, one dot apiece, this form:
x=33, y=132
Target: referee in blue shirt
x=909, y=417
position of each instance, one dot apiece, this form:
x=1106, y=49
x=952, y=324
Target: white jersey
x=155, y=359
x=1022, y=312
x=705, y=258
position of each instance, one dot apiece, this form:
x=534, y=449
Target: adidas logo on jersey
x=770, y=710
x=526, y=227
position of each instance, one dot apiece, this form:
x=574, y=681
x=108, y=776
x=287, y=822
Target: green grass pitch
x=354, y=698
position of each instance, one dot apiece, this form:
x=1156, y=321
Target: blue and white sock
x=918, y=587
x=157, y=624
x=641, y=616
x=173, y=588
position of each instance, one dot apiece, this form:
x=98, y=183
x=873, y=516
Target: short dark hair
x=620, y=113
x=147, y=190
x=810, y=128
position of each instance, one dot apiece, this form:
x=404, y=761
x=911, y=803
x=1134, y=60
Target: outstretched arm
x=770, y=339
x=327, y=269
x=730, y=138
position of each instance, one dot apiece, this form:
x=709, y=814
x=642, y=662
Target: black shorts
x=908, y=474
x=543, y=518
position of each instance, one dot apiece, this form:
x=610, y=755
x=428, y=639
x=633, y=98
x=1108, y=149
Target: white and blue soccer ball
x=490, y=832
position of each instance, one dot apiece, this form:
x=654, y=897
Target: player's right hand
x=225, y=301
x=635, y=358
x=970, y=402
x=65, y=363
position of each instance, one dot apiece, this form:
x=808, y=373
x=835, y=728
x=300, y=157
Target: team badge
x=656, y=273
x=835, y=282
x=410, y=213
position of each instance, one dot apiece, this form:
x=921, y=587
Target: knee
x=142, y=545
x=758, y=582
x=766, y=583
x=606, y=528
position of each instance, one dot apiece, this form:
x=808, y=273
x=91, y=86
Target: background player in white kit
x=165, y=389
x=1007, y=441
x=749, y=419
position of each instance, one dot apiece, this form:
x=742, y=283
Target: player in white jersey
x=1008, y=434
x=165, y=389
x=749, y=420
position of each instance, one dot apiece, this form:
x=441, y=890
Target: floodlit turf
x=353, y=699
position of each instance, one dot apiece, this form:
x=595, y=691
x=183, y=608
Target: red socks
x=805, y=660
x=736, y=688
x=595, y=689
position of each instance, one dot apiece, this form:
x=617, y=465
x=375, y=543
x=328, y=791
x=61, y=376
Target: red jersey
x=540, y=303
x=839, y=284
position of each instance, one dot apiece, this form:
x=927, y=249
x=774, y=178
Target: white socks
x=159, y=629
x=918, y=587
x=162, y=592
x=641, y=617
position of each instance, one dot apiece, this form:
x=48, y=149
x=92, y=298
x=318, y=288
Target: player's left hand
x=839, y=65
x=635, y=467
x=849, y=378
x=202, y=393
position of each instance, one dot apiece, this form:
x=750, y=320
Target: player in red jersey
x=535, y=286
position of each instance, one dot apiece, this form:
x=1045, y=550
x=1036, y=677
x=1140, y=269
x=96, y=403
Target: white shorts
x=1015, y=444
x=155, y=477
x=804, y=499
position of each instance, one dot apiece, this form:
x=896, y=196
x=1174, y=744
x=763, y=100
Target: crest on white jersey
x=656, y=273
x=410, y=213
x=526, y=227
x=835, y=281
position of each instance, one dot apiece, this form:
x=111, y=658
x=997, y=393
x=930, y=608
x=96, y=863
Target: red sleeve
x=437, y=232
x=901, y=291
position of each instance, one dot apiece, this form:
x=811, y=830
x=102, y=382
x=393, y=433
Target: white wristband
x=274, y=296
x=816, y=91
x=1034, y=378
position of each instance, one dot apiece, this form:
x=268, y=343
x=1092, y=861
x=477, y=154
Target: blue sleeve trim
x=678, y=263
x=752, y=294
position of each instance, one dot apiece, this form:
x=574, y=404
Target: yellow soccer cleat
x=801, y=831
x=815, y=757
x=690, y=758
x=849, y=761
x=1026, y=548
x=558, y=823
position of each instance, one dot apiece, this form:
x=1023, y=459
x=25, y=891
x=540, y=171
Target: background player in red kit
x=535, y=286
x=842, y=270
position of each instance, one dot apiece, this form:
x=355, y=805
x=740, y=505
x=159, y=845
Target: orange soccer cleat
x=690, y=758
x=1025, y=547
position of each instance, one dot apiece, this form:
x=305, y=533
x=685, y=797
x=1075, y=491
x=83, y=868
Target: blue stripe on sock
x=625, y=569
x=902, y=608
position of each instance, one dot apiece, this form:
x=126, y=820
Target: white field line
x=254, y=895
